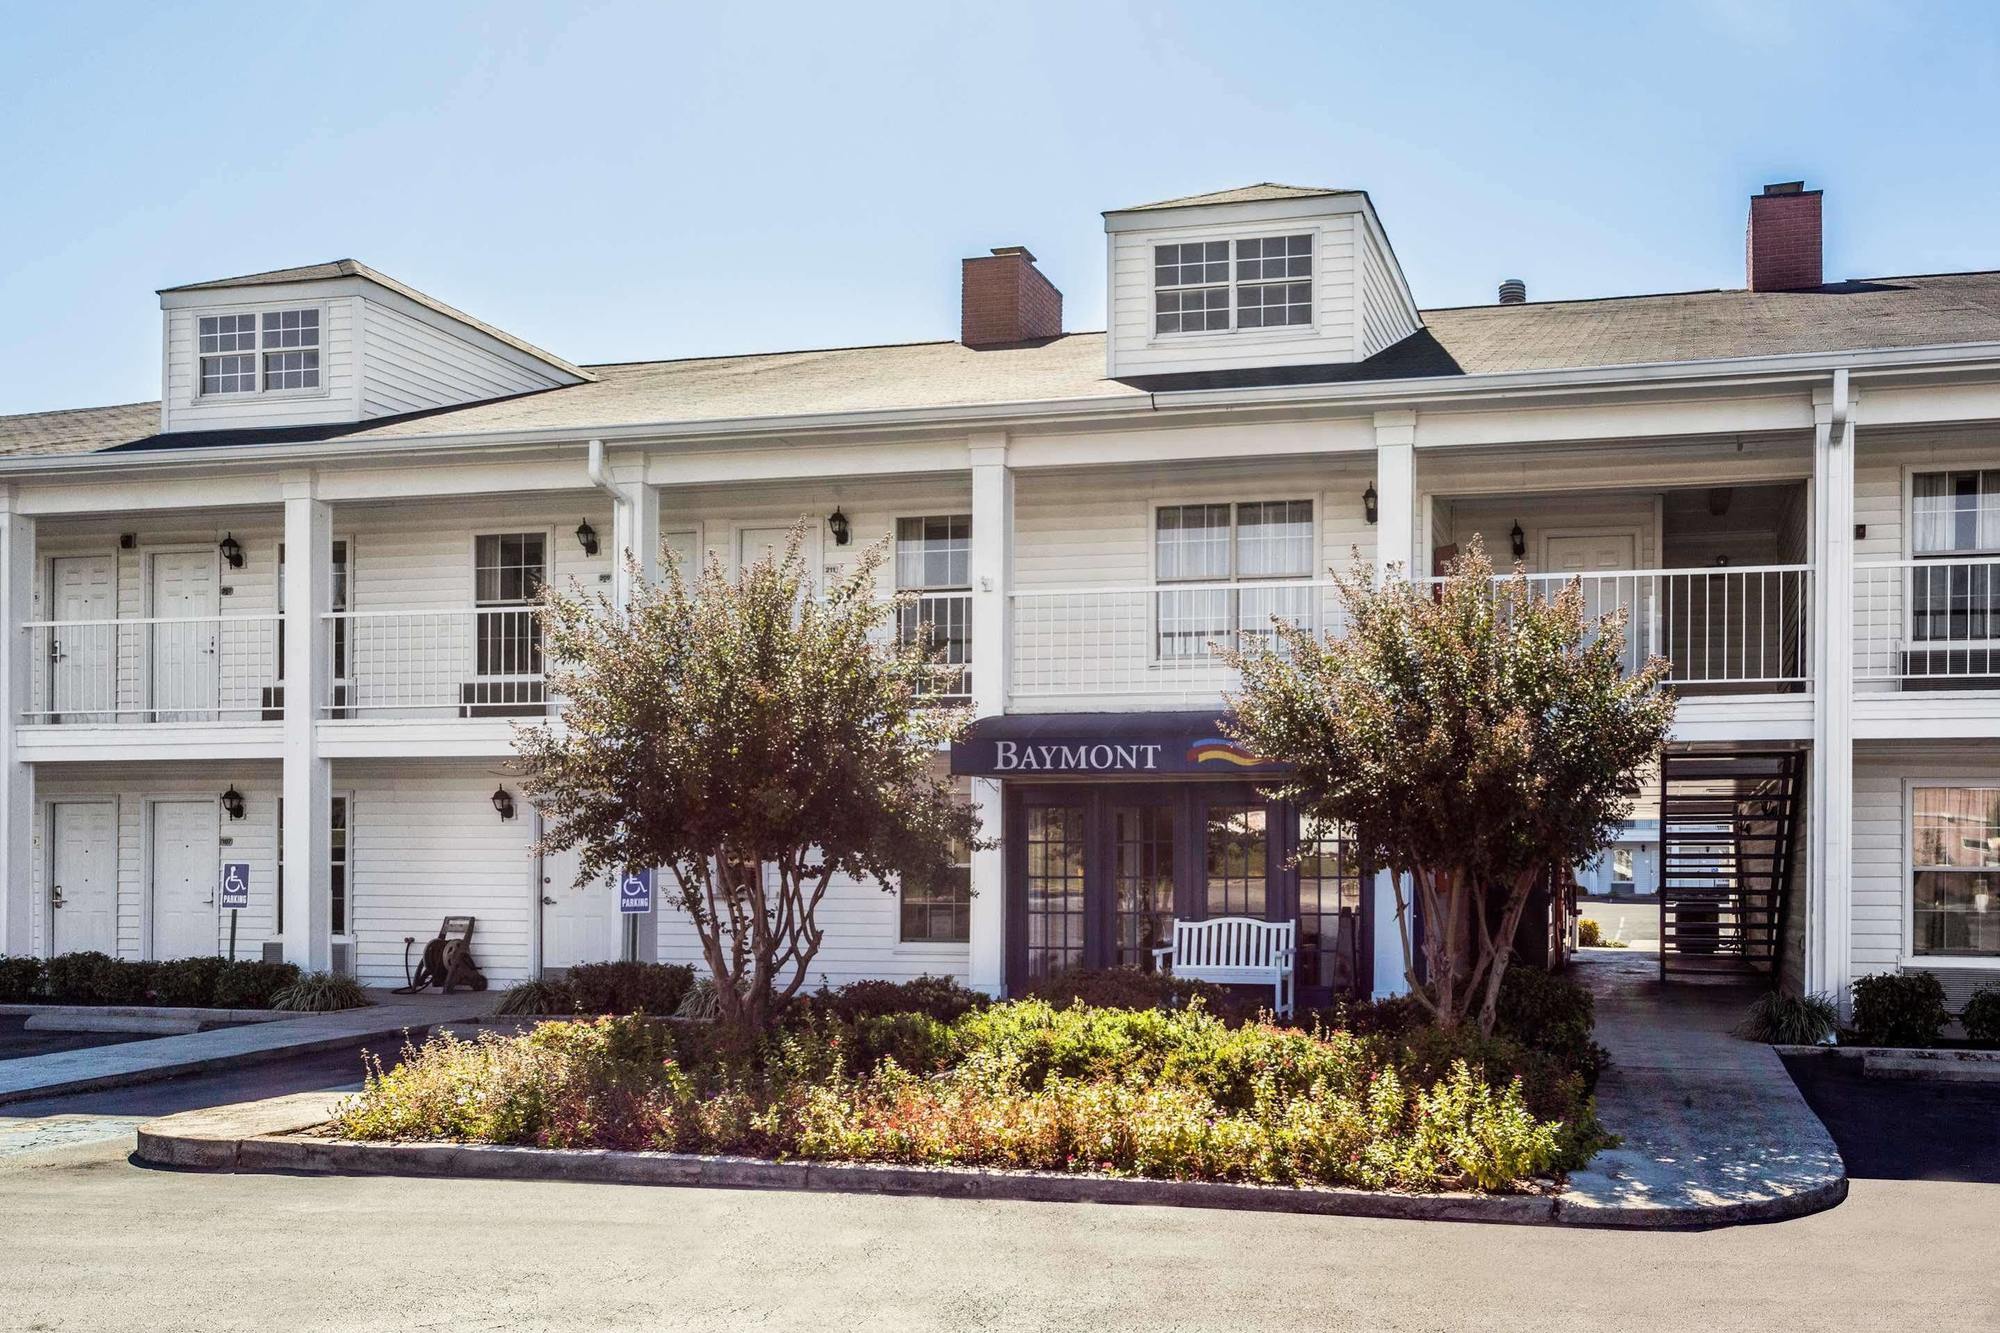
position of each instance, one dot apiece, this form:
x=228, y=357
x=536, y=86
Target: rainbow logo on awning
x=1221, y=750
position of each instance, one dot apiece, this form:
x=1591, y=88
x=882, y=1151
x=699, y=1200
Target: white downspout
x=600, y=474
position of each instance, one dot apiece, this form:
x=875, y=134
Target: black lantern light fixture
x=836, y=523
x=232, y=551
x=1370, y=504
x=232, y=803
x=503, y=801
x=586, y=537
x=1518, y=540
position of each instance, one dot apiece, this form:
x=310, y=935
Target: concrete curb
x=200, y=1065
x=1914, y=1064
x=149, y=1011
x=266, y=1136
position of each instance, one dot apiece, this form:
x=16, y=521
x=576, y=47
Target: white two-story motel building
x=276, y=617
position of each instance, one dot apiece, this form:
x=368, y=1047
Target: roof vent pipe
x=1513, y=292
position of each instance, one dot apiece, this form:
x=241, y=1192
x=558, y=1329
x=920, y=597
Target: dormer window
x=1259, y=282
x=275, y=352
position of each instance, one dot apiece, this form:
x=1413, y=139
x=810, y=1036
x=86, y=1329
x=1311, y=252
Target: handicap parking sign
x=635, y=891
x=235, y=884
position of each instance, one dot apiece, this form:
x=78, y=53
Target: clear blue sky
x=631, y=181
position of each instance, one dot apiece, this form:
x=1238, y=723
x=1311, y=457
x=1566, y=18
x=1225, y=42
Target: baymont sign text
x=1025, y=757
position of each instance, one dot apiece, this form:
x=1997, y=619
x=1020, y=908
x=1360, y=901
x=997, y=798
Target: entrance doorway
x=185, y=678
x=184, y=874
x=83, y=652
x=1097, y=874
x=83, y=876
x=580, y=924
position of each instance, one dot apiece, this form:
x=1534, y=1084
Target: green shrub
x=1589, y=935
x=20, y=980
x=248, y=984
x=629, y=988
x=186, y=982
x=1981, y=1017
x=1548, y=1012
x=1790, y=1020
x=539, y=996
x=1130, y=988
x=1899, y=1009
x=320, y=993
x=87, y=977
x=940, y=998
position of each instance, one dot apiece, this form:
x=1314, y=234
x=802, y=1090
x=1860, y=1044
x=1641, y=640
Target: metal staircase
x=1728, y=824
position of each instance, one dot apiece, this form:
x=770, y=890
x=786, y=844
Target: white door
x=1592, y=556
x=83, y=876
x=185, y=866
x=579, y=925
x=185, y=674
x=83, y=660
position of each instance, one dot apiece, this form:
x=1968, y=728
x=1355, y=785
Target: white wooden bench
x=1235, y=951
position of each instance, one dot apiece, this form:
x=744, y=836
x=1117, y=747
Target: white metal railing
x=471, y=662
x=1151, y=641
x=1932, y=622
x=944, y=621
x=206, y=669
x=1735, y=627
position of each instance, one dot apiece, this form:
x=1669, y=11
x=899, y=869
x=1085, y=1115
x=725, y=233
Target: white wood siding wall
x=1881, y=847
x=425, y=843
x=420, y=556
x=252, y=838
x=717, y=516
x=184, y=407
x=1386, y=315
x=414, y=359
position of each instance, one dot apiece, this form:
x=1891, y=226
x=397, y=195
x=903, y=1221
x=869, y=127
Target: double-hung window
x=934, y=559
x=508, y=572
x=1955, y=522
x=1955, y=871
x=275, y=352
x=1226, y=570
x=1259, y=282
x=939, y=910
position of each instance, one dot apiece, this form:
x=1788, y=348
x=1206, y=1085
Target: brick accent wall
x=1783, y=244
x=1005, y=299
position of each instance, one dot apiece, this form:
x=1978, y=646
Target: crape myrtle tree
x=755, y=739
x=1474, y=734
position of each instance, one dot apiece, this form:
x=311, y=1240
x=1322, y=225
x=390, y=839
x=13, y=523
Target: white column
x=636, y=530
x=992, y=579
x=1395, y=556
x=17, y=795
x=308, y=779
x=1830, y=822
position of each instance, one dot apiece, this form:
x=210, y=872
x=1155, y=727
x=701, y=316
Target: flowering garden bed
x=1380, y=1103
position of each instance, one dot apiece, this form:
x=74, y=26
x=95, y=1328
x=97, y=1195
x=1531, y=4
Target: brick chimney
x=1007, y=300
x=1783, y=247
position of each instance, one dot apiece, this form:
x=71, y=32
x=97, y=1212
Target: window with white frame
x=1954, y=520
x=275, y=352
x=1955, y=871
x=1247, y=554
x=1258, y=282
x=934, y=559
x=939, y=911
x=508, y=572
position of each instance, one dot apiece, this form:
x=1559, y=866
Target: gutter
x=1368, y=395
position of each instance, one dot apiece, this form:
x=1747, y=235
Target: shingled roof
x=1867, y=315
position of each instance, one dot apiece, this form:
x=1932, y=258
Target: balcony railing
x=1153, y=642
x=1732, y=630
x=944, y=621
x=466, y=662
x=211, y=669
x=1724, y=628
x=1928, y=623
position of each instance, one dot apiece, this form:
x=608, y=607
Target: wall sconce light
x=586, y=537
x=503, y=801
x=232, y=551
x=1518, y=540
x=1370, y=504
x=836, y=523
x=232, y=803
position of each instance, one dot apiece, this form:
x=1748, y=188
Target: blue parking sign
x=235, y=884
x=635, y=891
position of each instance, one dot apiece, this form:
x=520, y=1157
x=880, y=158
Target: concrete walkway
x=165, y=1057
x=1715, y=1130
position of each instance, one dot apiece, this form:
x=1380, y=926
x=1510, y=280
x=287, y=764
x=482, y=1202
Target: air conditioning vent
x=274, y=951
x=343, y=959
